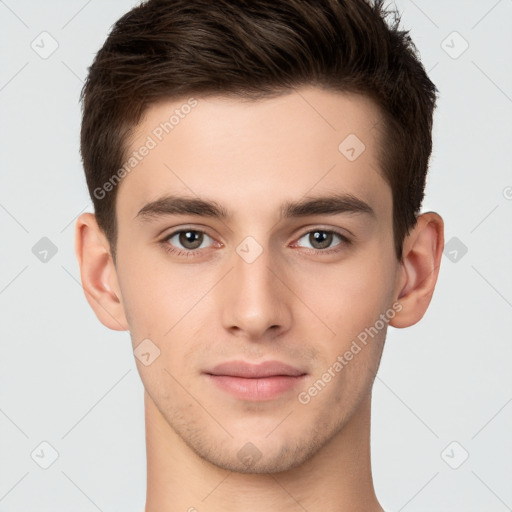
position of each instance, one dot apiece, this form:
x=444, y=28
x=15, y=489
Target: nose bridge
x=255, y=299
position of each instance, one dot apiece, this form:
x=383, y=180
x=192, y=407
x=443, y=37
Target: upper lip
x=255, y=371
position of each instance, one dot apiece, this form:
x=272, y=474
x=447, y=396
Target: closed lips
x=255, y=371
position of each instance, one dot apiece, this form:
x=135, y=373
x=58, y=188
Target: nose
x=255, y=302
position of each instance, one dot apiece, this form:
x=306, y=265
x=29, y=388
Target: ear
x=98, y=273
x=422, y=252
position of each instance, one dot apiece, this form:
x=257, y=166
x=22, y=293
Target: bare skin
x=297, y=301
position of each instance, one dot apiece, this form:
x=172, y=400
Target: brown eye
x=322, y=239
x=188, y=239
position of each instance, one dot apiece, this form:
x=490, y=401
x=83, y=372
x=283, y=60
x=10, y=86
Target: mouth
x=259, y=382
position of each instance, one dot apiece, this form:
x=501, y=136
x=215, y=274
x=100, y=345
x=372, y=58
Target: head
x=247, y=111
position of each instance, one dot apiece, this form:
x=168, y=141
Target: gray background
x=68, y=381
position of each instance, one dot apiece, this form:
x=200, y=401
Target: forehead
x=252, y=155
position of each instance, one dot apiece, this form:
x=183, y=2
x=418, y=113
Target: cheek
x=168, y=305
x=350, y=301
x=348, y=296
x=149, y=293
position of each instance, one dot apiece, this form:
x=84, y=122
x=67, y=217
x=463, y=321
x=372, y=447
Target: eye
x=188, y=242
x=321, y=239
x=189, y=239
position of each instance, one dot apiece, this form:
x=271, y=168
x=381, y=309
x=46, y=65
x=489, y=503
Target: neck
x=338, y=477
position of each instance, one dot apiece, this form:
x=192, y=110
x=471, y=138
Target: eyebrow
x=332, y=204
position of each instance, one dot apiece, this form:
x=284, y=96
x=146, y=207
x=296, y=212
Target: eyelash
x=196, y=252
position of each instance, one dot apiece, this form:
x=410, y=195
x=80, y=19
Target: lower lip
x=264, y=388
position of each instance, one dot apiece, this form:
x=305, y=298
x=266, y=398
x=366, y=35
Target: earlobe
x=98, y=273
x=422, y=253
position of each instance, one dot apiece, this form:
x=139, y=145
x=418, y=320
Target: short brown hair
x=168, y=49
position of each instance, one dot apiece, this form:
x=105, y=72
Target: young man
x=257, y=171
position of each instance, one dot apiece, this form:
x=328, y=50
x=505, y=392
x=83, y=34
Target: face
x=280, y=276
